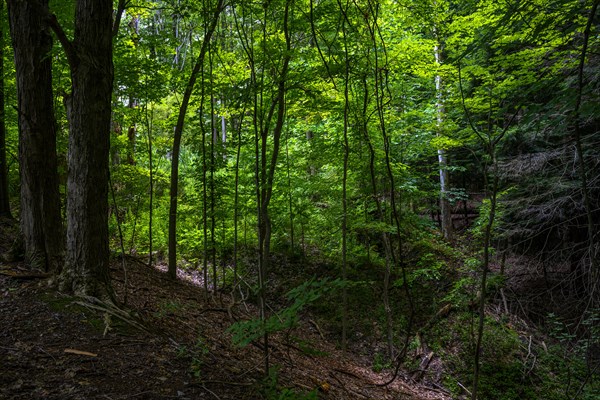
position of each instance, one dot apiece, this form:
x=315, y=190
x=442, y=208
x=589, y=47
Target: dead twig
x=464, y=388
x=504, y=300
x=211, y=392
x=201, y=384
x=313, y=323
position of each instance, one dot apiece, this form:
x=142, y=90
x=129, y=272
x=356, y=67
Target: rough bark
x=41, y=223
x=90, y=58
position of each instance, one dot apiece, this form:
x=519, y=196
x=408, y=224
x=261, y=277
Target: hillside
x=174, y=344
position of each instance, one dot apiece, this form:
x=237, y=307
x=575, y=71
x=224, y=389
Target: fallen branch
x=423, y=366
x=442, y=312
x=313, y=323
x=112, y=310
x=504, y=301
x=81, y=352
x=464, y=388
x=201, y=384
x=211, y=392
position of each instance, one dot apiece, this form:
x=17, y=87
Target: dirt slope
x=174, y=345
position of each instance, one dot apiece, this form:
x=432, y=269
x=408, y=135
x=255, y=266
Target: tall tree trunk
x=236, y=200
x=381, y=91
x=149, y=126
x=380, y=215
x=41, y=222
x=4, y=197
x=177, y=140
x=489, y=142
x=264, y=171
x=345, y=188
x=290, y=191
x=204, y=197
x=213, y=142
x=485, y=268
x=90, y=59
x=445, y=208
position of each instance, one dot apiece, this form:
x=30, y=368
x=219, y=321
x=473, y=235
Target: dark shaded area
x=183, y=351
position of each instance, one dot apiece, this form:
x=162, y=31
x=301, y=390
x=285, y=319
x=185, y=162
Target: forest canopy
x=425, y=165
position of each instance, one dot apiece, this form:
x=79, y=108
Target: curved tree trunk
x=41, y=223
x=172, y=272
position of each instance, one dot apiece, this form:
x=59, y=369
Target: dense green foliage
x=517, y=116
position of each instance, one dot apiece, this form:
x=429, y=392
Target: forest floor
x=172, y=343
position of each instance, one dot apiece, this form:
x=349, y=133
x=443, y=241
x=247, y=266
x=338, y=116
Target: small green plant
x=568, y=361
x=462, y=292
x=198, y=356
x=380, y=363
x=479, y=227
x=495, y=283
x=429, y=268
x=197, y=353
x=244, y=332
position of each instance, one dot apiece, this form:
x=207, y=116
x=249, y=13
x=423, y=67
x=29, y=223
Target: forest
x=300, y=199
